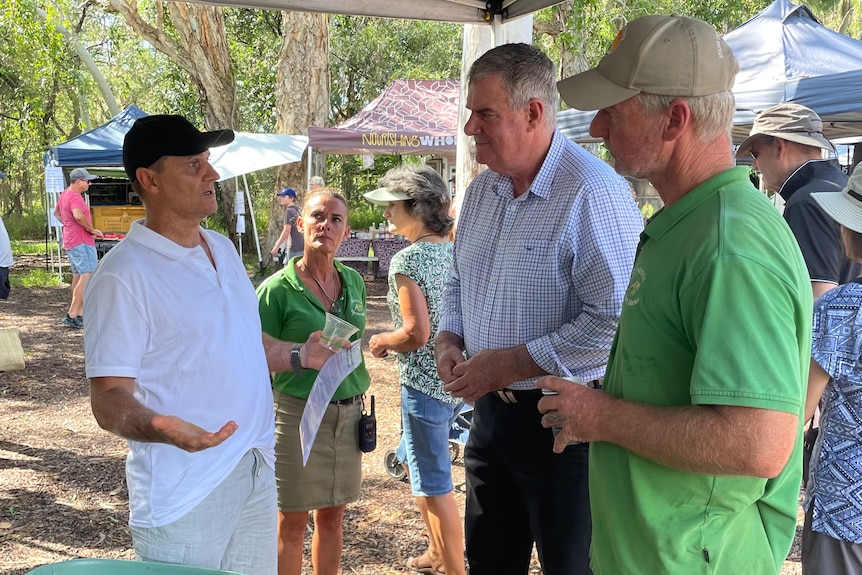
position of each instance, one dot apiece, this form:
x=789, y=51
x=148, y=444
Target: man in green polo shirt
x=695, y=460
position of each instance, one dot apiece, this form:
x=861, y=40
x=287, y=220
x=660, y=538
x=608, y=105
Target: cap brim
x=590, y=90
x=217, y=138
x=382, y=196
x=841, y=208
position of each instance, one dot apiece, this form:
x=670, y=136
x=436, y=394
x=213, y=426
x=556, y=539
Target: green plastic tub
x=120, y=567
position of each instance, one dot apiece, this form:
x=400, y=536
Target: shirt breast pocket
x=530, y=260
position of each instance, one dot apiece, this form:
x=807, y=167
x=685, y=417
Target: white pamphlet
x=328, y=379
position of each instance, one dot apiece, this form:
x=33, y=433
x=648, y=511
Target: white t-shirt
x=5, y=247
x=190, y=336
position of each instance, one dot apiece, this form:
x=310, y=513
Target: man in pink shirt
x=78, y=240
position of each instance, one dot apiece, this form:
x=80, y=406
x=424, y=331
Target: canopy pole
x=497, y=26
x=308, y=168
x=253, y=222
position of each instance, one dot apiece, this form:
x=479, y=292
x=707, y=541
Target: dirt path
x=62, y=485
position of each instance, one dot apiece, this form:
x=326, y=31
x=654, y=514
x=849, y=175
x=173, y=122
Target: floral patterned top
x=427, y=264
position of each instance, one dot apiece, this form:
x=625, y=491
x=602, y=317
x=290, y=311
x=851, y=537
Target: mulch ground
x=62, y=480
x=62, y=486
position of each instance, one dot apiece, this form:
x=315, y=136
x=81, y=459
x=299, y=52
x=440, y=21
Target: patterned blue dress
x=836, y=469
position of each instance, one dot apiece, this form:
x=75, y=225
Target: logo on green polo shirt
x=637, y=280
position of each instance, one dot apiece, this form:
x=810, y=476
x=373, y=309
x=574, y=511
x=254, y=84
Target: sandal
x=417, y=564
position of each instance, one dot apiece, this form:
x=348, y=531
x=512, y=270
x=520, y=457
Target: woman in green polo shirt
x=293, y=305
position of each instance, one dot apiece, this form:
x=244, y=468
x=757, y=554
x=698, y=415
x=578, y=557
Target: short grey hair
x=316, y=181
x=712, y=114
x=526, y=73
x=429, y=196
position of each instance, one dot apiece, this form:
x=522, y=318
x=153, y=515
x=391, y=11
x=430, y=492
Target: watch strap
x=295, y=363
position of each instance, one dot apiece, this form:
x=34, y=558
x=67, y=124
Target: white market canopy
x=251, y=152
x=462, y=11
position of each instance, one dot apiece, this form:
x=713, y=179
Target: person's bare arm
x=706, y=439
x=84, y=223
x=416, y=325
x=285, y=232
x=817, y=381
x=311, y=355
x=820, y=288
x=116, y=410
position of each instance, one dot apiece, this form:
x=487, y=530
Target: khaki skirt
x=333, y=475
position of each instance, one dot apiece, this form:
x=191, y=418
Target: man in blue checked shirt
x=543, y=254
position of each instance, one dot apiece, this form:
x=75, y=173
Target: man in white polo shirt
x=177, y=365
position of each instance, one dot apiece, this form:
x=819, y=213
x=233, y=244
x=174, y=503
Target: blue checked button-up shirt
x=547, y=269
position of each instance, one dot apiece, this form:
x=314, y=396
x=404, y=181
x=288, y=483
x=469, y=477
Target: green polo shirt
x=717, y=312
x=289, y=312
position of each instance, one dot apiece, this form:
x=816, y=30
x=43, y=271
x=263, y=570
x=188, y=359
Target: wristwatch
x=295, y=364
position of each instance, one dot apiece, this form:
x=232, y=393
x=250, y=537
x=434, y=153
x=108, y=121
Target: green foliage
x=368, y=53
x=590, y=26
x=32, y=247
x=27, y=226
x=363, y=216
x=254, y=38
x=47, y=97
x=34, y=277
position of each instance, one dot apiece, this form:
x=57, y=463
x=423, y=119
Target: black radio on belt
x=367, y=428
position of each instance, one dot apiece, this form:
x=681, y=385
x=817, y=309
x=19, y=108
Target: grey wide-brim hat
x=788, y=121
x=382, y=196
x=845, y=207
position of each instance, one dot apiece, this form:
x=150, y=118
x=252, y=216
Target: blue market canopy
x=785, y=55
x=102, y=146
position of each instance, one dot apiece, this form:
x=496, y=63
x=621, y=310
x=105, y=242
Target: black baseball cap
x=152, y=137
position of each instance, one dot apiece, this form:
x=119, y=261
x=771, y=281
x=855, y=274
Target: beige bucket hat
x=788, y=121
x=666, y=55
x=845, y=207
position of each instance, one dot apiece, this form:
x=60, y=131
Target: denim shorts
x=424, y=444
x=82, y=259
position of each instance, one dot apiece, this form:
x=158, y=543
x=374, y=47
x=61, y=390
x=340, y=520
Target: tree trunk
x=201, y=51
x=301, y=99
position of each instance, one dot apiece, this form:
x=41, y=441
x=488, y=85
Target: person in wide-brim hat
x=830, y=533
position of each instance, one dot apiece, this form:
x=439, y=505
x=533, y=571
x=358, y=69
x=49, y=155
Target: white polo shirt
x=190, y=336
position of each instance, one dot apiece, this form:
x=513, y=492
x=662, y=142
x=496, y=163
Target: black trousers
x=4, y=283
x=519, y=491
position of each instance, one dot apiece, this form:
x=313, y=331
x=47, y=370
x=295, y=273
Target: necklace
x=329, y=300
x=423, y=236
